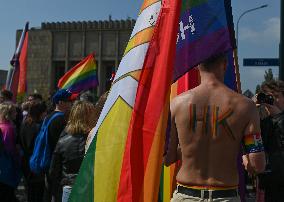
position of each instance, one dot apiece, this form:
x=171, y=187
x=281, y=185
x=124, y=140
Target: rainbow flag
x=205, y=29
x=124, y=157
x=16, y=78
x=82, y=76
x=124, y=160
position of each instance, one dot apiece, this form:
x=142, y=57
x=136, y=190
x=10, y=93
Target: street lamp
x=247, y=11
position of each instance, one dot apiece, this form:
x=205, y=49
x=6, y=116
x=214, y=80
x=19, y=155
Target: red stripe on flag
x=151, y=99
x=23, y=66
x=66, y=76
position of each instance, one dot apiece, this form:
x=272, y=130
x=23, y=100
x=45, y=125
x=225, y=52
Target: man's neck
x=210, y=78
x=58, y=109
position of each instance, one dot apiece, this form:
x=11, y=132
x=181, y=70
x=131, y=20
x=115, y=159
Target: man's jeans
x=178, y=197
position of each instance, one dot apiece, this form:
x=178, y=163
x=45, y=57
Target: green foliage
x=257, y=89
x=268, y=76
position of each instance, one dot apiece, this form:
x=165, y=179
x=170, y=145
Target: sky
x=259, y=31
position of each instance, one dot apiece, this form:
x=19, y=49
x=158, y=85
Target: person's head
x=63, y=100
x=276, y=89
x=87, y=96
x=216, y=64
x=7, y=111
x=81, y=118
x=35, y=96
x=6, y=95
x=36, y=111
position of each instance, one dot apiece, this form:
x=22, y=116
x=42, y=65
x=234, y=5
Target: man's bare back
x=210, y=121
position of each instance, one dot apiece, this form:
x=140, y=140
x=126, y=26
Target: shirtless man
x=209, y=125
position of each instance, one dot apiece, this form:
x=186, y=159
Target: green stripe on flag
x=83, y=189
x=161, y=190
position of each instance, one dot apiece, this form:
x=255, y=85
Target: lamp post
x=247, y=11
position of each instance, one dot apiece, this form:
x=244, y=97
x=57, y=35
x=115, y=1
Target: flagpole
x=237, y=71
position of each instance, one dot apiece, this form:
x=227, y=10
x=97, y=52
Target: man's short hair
x=208, y=63
x=6, y=95
x=274, y=85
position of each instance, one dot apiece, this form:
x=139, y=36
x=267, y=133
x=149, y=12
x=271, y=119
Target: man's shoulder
x=181, y=99
x=56, y=120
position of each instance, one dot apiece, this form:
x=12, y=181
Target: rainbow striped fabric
x=82, y=76
x=100, y=173
x=205, y=29
x=124, y=157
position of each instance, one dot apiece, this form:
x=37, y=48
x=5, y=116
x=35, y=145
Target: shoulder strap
x=52, y=118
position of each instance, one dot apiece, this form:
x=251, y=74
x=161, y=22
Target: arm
x=254, y=158
x=55, y=169
x=173, y=151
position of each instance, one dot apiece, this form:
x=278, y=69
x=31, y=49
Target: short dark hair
x=206, y=64
x=275, y=85
x=36, y=96
x=7, y=95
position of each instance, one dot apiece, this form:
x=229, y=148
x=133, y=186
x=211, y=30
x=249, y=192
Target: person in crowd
x=271, y=108
x=8, y=140
x=98, y=109
x=62, y=100
x=87, y=96
x=5, y=96
x=35, y=97
x=25, y=105
x=69, y=151
x=30, y=128
x=207, y=131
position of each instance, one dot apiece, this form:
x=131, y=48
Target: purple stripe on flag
x=84, y=85
x=190, y=55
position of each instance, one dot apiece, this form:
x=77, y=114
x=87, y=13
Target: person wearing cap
x=62, y=100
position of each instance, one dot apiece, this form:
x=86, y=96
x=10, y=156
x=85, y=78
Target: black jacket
x=66, y=161
x=272, y=130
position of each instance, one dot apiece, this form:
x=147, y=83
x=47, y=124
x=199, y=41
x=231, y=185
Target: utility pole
x=281, y=46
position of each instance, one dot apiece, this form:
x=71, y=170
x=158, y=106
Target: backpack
x=41, y=157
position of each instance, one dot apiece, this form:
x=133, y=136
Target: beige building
x=3, y=75
x=56, y=47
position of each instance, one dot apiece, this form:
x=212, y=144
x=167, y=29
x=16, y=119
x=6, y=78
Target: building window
x=59, y=71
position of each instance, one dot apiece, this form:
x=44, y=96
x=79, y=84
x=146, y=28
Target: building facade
x=3, y=76
x=56, y=47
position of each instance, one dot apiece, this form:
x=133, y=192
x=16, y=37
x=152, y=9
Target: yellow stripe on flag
x=147, y=3
x=140, y=38
x=109, y=151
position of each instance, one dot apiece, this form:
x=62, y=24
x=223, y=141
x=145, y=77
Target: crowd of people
x=208, y=133
x=69, y=119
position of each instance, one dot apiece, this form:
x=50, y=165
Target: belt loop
x=202, y=194
x=210, y=195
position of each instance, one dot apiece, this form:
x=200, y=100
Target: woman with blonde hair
x=69, y=151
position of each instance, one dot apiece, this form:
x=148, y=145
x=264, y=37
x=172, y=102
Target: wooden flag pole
x=237, y=71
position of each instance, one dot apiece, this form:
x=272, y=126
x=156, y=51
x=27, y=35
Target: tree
x=257, y=89
x=268, y=76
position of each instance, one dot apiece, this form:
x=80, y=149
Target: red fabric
x=152, y=98
x=188, y=81
x=23, y=66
